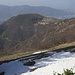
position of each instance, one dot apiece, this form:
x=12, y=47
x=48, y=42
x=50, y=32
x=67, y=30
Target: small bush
x=66, y=72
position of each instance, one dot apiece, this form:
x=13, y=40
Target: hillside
x=59, y=33
x=8, y=11
x=23, y=34
x=18, y=29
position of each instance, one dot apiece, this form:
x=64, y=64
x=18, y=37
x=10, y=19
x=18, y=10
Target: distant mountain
x=29, y=32
x=8, y=11
x=19, y=29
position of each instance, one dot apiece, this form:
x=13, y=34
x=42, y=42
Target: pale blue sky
x=61, y=4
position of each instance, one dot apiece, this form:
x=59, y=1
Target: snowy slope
x=45, y=66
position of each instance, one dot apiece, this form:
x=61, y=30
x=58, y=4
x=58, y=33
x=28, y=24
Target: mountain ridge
x=27, y=33
x=9, y=11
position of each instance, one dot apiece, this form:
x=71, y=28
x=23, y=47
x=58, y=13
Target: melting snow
x=40, y=52
x=45, y=66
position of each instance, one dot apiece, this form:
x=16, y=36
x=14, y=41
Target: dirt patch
x=29, y=63
x=36, y=56
x=31, y=70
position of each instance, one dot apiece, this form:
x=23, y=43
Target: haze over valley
x=10, y=11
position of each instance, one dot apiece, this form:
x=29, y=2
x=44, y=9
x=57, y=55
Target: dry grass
x=22, y=54
x=15, y=56
x=62, y=46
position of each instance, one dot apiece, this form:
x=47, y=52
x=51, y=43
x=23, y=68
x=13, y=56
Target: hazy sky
x=64, y=4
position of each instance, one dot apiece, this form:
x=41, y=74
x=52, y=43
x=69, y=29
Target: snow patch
x=45, y=66
x=57, y=63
